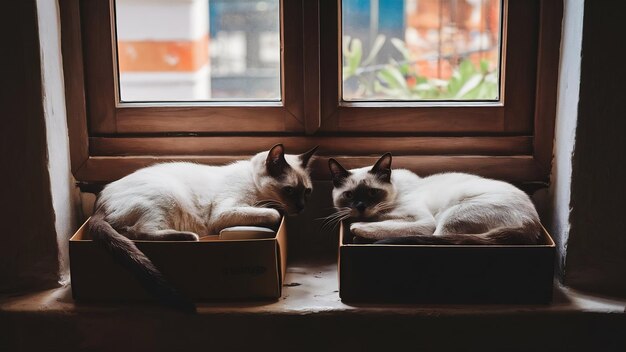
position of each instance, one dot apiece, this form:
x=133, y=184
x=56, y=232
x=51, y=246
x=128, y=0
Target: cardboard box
x=444, y=274
x=205, y=270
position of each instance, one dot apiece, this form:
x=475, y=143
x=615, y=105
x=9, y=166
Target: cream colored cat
x=182, y=201
x=449, y=208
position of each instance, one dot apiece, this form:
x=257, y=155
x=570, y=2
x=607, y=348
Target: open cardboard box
x=204, y=270
x=438, y=274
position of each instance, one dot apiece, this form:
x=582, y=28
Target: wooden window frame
x=512, y=114
x=511, y=141
x=109, y=116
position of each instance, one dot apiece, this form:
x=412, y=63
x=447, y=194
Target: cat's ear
x=382, y=168
x=339, y=174
x=275, y=162
x=306, y=157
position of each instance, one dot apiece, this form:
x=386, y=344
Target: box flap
x=281, y=238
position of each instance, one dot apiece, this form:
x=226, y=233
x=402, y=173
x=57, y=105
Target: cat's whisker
x=339, y=213
x=270, y=203
x=382, y=207
x=263, y=202
x=328, y=224
x=331, y=221
x=338, y=221
x=336, y=208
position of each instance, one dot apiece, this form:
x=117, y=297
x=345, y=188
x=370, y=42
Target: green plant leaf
x=455, y=83
x=345, y=72
x=469, y=85
x=401, y=47
x=378, y=44
x=484, y=66
x=490, y=90
x=392, y=77
x=388, y=92
x=402, y=67
x=345, y=44
x=422, y=87
x=352, y=54
x=466, y=69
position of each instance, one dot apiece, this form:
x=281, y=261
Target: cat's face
x=285, y=180
x=366, y=192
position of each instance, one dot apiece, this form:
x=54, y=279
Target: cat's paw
x=173, y=235
x=273, y=216
x=269, y=217
x=363, y=230
x=189, y=236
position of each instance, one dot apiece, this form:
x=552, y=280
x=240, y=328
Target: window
x=421, y=50
x=465, y=85
x=198, y=50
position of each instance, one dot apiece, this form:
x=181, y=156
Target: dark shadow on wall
x=310, y=240
x=28, y=246
x=596, y=253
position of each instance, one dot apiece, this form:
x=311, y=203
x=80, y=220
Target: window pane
x=420, y=50
x=198, y=50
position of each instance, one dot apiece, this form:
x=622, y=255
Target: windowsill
x=313, y=289
x=309, y=316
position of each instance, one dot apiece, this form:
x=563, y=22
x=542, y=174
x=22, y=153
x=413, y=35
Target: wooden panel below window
x=423, y=119
x=198, y=119
x=224, y=145
x=509, y=168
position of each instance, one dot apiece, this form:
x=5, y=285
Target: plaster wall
x=596, y=249
x=64, y=193
x=28, y=250
x=565, y=127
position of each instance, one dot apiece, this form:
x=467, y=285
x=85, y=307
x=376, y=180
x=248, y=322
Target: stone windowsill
x=309, y=309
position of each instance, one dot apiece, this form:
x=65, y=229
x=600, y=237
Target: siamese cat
x=182, y=201
x=400, y=207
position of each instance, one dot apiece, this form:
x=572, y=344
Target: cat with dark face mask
x=400, y=207
x=183, y=201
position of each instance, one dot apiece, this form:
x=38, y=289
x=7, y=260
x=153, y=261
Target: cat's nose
x=360, y=206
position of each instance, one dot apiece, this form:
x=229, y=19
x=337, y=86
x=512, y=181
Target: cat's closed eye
x=308, y=191
x=288, y=190
x=347, y=194
x=373, y=192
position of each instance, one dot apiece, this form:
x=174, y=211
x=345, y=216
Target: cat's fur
x=182, y=201
x=399, y=207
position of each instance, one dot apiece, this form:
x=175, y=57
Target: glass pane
x=198, y=50
x=420, y=50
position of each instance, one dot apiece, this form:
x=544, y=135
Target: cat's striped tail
x=126, y=253
x=501, y=235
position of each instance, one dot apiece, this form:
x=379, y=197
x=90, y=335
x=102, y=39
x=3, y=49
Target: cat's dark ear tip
x=279, y=145
x=387, y=158
x=276, y=151
x=383, y=164
x=307, y=156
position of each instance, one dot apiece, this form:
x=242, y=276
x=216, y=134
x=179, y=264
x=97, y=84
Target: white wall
x=565, y=129
x=64, y=193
